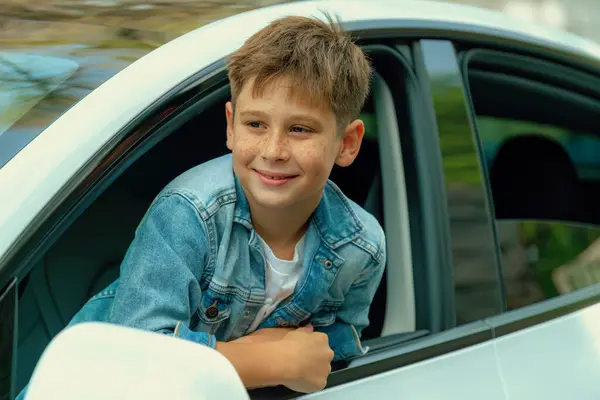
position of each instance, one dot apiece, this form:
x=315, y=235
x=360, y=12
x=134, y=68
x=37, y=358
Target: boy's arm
x=300, y=359
x=353, y=316
x=159, y=291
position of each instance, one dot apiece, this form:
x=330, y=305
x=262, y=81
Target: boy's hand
x=265, y=335
x=307, y=357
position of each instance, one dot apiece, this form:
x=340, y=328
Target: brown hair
x=319, y=57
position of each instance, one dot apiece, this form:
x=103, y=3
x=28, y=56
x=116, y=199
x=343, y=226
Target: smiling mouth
x=273, y=178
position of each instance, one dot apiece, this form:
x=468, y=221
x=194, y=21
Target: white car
x=480, y=161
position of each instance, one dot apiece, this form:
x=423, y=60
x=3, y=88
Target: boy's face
x=284, y=149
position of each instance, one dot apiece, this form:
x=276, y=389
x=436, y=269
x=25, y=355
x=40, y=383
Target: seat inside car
x=533, y=177
x=87, y=256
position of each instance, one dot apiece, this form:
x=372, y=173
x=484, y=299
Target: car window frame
x=534, y=314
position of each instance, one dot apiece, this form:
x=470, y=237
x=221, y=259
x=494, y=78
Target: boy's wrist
x=283, y=363
x=264, y=363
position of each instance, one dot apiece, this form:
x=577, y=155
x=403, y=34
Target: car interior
x=87, y=256
x=531, y=175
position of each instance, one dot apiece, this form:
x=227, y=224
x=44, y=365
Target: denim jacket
x=195, y=269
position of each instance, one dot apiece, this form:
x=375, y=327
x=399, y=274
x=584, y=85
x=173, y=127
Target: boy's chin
x=273, y=202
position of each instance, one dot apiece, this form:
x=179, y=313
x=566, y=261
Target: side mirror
x=102, y=361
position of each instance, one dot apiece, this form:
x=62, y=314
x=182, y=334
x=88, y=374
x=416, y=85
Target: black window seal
x=532, y=68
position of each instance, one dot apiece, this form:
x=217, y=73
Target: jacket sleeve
x=353, y=316
x=159, y=289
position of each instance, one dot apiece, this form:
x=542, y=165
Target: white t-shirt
x=281, y=278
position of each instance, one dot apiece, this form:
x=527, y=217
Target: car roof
x=36, y=175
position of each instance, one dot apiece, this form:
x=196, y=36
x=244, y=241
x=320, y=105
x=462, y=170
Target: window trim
x=409, y=353
x=538, y=69
x=544, y=311
x=400, y=315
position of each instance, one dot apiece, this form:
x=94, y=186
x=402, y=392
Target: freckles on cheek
x=246, y=147
x=316, y=159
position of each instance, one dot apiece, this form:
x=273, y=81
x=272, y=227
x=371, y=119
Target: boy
x=257, y=253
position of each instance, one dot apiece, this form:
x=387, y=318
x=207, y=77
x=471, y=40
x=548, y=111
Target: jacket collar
x=334, y=218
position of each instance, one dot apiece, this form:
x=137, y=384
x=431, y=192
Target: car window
x=543, y=168
x=544, y=250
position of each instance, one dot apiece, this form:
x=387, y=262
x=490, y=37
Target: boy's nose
x=275, y=147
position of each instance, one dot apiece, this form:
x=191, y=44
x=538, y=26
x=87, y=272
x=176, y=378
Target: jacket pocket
x=212, y=313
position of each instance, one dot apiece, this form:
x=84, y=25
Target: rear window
x=26, y=80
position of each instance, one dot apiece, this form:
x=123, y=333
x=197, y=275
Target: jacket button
x=328, y=264
x=212, y=311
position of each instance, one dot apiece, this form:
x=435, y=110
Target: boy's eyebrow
x=306, y=119
x=296, y=117
x=255, y=113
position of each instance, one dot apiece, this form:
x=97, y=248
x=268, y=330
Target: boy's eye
x=254, y=124
x=300, y=129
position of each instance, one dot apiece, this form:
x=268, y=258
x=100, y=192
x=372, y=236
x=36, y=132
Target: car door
x=533, y=123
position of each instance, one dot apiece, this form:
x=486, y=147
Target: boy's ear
x=351, y=139
x=229, y=118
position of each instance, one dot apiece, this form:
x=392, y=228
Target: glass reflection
x=476, y=277
x=544, y=259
